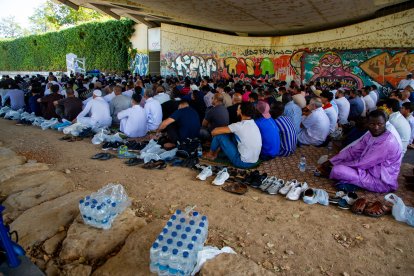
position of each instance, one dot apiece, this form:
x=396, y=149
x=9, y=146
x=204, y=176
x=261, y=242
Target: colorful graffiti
x=197, y=65
x=194, y=66
x=352, y=68
x=331, y=69
x=140, y=64
x=386, y=68
x=356, y=68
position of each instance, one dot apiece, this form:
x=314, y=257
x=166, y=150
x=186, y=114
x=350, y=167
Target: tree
x=53, y=16
x=9, y=28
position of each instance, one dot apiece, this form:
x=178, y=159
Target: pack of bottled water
x=176, y=248
x=101, y=208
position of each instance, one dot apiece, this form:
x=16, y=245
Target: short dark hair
x=377, y=113
x=254, y=96
x=248, y=87
x=408, y=106
x=286, y=98
x=277, y=109
x=247, y=109
x=328, y=95
x=54, y=88
x=393, y=104
x=137, y=97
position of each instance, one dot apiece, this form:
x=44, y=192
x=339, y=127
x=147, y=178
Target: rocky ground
x=270, y=234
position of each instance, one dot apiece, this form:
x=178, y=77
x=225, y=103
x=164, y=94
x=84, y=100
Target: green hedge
x=105, y=46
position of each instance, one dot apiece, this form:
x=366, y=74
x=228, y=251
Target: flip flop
x=160, y=164
x=375, y=209
x=359, y=206
x=106, y=156
x=134, y=161
x=235, y=188
x=98, y=155
x=66, y=137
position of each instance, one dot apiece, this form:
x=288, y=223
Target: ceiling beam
x=140, y=18
x=105, y=9
x=69, y=4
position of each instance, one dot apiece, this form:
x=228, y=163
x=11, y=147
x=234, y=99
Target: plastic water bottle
x=199, y=150
x=164, y=258
x=174, y=263
x=154, y=251
x=302, y=163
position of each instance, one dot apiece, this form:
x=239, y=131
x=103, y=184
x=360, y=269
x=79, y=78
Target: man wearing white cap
x=98, y=111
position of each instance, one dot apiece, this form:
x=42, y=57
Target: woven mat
x=287, y=168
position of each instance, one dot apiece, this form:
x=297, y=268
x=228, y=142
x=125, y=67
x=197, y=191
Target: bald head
x=237, y=98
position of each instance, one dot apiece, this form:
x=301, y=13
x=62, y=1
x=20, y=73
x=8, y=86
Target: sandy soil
x=287, y=237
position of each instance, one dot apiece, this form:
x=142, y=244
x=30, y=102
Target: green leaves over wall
x=105, y=46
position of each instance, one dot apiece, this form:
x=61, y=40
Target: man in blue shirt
x=292, y=110
x=288, y=136
x=356, y=105
x=16, y=97
x=269, y=132
x=182, y=124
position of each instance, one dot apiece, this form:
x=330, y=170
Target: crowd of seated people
x=243, y=120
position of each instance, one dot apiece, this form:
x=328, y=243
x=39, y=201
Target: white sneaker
x=206, y=172
x=267, y=182
x=297, y=190
x=221, y=177
x=288, y=185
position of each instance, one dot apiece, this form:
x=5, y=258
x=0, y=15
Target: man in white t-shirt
x=315, y=124
x=153, y=109
x=244, y=146
x=161, y=96
x=399, y=122
x=408, y=81
x=326, y=98
x=133, y=121
x=370, y=105
x=343, y=107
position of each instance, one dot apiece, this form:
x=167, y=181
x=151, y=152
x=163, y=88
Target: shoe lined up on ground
x=206, y=172
x=155, y=164
x=312, y=196
x=135, y=146
x=221, y=177
x=102, y=156
x=112, y=145
x=134, y=161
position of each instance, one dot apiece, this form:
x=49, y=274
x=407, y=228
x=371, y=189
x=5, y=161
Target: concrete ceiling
x=244, y=17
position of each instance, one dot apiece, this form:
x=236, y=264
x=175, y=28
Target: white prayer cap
x=97, y=93
x=193, y=87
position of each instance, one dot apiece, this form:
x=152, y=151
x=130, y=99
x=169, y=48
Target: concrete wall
x=378, y=51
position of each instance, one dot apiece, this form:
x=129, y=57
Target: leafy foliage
x=9, y=28
x=52, y=16
x=104, y=45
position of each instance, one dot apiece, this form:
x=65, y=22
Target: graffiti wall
x=236, y=64
x=140, y=64
x=355, y=68
x=378, y=51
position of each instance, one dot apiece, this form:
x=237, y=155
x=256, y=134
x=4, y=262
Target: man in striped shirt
x=288, y=136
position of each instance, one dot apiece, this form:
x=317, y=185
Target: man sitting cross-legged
x=133, y=121
x=241, y=142
x=182, y=124
x=373, y=163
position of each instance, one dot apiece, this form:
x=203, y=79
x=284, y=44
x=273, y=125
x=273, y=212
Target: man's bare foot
x=210, y=155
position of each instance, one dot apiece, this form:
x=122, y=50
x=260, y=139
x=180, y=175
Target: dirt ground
x=283, y=236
